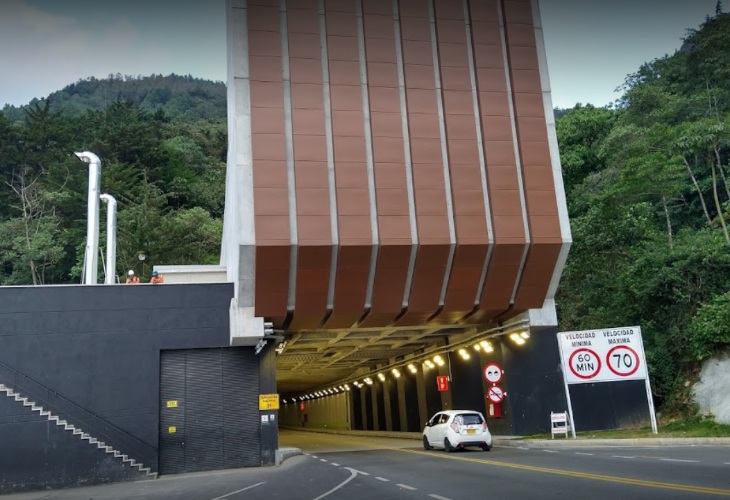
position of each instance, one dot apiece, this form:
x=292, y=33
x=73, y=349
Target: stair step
x=61, y=422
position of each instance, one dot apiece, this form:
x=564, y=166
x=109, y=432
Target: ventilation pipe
x=111, y=238
x=92, y=217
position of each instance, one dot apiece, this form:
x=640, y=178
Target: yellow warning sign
x=268, y=401
x=172, y=404
x=172, y=429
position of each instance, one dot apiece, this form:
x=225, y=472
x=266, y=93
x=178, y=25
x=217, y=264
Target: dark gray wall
x=92, y=354
x=533, y=381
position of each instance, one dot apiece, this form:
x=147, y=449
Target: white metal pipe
x=92, y=218
x=111, y=238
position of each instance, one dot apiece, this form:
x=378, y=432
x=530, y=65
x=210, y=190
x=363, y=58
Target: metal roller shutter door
x=216, y=418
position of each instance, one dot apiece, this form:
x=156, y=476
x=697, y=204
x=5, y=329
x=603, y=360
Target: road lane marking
x=358, y=471
x=406, y=487
x=336, y=465
x=622, y=456
x=353, y=475
x=237, y=491
x=382, y=479
x=322, y=460
x=523, y=448
x=583, y=475
x=679, y=460
x=314, y=456
x=438, y=497
x=549, y=451
x=587, y=454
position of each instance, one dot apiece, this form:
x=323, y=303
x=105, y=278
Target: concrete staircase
x=76, y=431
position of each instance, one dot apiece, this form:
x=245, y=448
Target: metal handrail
x=80, y=417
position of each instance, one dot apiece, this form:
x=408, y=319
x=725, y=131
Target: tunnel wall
x=91, y=355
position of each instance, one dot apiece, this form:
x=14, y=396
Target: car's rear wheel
x=486, y=447
x=447, y=445
x=426, y=445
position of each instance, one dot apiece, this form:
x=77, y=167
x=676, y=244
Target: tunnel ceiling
x=314, y=359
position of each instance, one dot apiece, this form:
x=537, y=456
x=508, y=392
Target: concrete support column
x=401, y=389
x=374, y=399
x=270, y=418
x=447, y=402
x=421, y=390
x=364, y=410
x=386, y=405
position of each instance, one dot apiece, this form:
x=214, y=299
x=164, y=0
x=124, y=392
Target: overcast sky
x=47, y=44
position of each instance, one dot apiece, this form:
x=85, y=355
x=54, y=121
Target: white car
x=457, y=429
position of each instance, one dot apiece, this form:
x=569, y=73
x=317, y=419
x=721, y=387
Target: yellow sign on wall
x=268, y=401
x=172, y=429
x=172, y=404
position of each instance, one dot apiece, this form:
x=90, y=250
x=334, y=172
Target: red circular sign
x=493, y=373
x=584, y=363
x=623, y=364
x=495, y=394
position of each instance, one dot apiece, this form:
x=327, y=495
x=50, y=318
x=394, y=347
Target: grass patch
x=682, y=429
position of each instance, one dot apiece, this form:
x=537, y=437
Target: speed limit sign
x=602, y=355
x=623, y=361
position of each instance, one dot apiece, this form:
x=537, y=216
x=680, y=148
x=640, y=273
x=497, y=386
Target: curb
x=284, y=453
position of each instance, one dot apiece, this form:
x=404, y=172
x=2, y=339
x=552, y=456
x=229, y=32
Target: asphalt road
x=354, y=468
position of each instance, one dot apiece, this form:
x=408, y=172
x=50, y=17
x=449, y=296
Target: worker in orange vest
x=156, y=278
x=131, y=278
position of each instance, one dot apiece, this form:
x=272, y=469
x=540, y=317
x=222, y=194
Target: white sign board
x=603, y=355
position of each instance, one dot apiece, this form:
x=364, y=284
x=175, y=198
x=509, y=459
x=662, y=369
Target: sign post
x=606, y=355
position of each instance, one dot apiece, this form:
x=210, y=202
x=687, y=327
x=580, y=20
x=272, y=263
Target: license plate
x=471, y=431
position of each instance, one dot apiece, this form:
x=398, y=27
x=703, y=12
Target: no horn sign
x=603, y=355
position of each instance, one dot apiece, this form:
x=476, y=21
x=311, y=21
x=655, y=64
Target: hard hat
x=154, y=273
x=131, y=273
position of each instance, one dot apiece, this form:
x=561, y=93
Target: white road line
x=726, y=463
x=322, y=460
x=621, y=456
x=353, y=475
x=588, y=454
x=336, y=465
x=237, y=491
x=406, y=487
x=357, y=471
x=382, y=479
x=314, y=456
x=438, y=497
x=523, y=448
x=549, y=451
x=679, y=460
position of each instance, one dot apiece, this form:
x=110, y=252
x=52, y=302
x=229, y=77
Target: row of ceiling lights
x=429, y=363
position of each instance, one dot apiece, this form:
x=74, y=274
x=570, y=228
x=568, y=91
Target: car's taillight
x=484, y=427
x=455, y=426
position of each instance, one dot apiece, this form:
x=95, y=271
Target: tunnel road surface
x=340, y=467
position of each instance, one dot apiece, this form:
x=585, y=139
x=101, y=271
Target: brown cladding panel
x=313, y=270
x=350, y=285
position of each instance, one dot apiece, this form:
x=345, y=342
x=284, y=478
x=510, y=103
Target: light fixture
x=395, y=372
x=525, y=335
x=477, y=347
x=381, y=377
x=486, y=346
x=347, y=387
x=465, y=355
x=429, y=363
x=438, y=360
x=412, y=368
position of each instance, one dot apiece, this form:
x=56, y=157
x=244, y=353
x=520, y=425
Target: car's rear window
x=469, y=419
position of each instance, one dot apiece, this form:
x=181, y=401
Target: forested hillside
x=647, y=183
x=648, y=190
x=179, y=96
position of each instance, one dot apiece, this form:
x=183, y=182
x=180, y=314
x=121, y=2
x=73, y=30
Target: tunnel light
x=517, y=339
x=465, y=355
x=486, y=346
x=381, y=377
x=525, y=335
x=347, y=387
x=369, y=381
x=477, y=347
x=284, y=401
x=395, y=372
x=412, y=368
x=430, y=364
x=438, y=360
